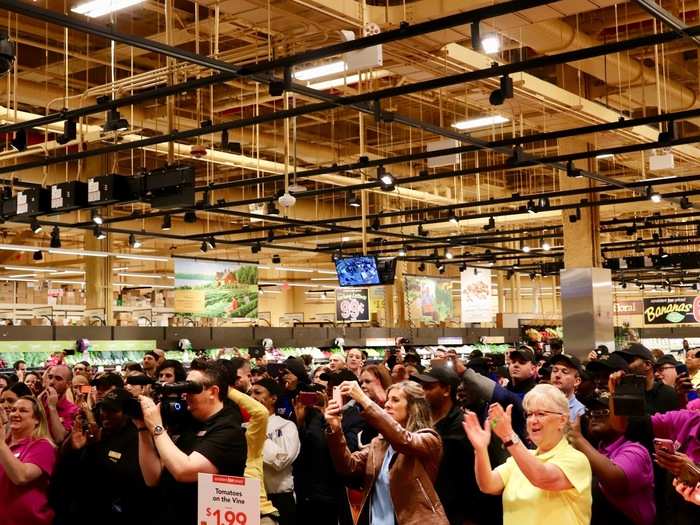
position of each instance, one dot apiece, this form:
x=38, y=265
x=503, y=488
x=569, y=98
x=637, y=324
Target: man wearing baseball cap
x=566, y=376
x=455, y=483
x=521, y=368
x=601, y=368
x=659, y=397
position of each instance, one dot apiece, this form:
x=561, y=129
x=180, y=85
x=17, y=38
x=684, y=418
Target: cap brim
x=424, y=378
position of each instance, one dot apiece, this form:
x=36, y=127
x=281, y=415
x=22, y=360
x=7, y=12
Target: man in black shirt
x=521, y=367
x=659, y=397
x=213, y=443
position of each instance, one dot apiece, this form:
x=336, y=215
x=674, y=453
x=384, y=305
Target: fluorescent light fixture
x=81, y=253
x=348, y=80
x=331, y=68
x=29, y=269
x=605, y=156
x=324, y=278
x=18, y=248
x=122, y=269
x=140, y=257
x=61, y=281
x=97, y=8
x=146, y=275
x=19, y=279
x=70, y=272
x=480, y=122
x=288, y=269
x=19, y=276
x=490, y=44
x=143, y=285
x=326, y=272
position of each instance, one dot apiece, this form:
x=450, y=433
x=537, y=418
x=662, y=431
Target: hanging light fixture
x=133, y=241
x=375, y=225
x=354, y=201
x=98, y=233
x=19, y=142
x=96, y=216
x=115, y=122
x=190, y=217
x=167, y=223
x=204, y=247
x=272, y=209
x=490, y=225
x=276, y=259
x=38, y=255
x=55, y=238
x=35, y=226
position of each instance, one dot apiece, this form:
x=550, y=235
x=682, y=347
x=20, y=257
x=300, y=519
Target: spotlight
x=224, y=139
x=204, y=247
x=423, y=233
x=115, y=122
x=98, y=233
x=255, y=248
x=575, y=216
x=453, y=218
x=668, y=136
x=463, y=267
x=532, y=276
x=7, y=53
x=685, y=203
x=19, y=142
x=211, y=243
x=55, y=238
x=70, y=132
x=544, y=203
x=386, y=179
x=449, y=255
x=490, y=44
x=38, y=256
x=654, y=196
x=272, y=209
x=421, y=267
x=509, y=274
x=96, y=216
x=623, y=285
x=402, y=251
x=526, y=249
x=662, y=253
x=375, y=225
x=631, y=230
x=572, y=172
x=499, y=96
x=270, y=235
x=638, y=248
x=531, y=208
x=167, y=223
x=35, y=226
x=276, y=259
x=190, y=217
x=546, y=246
x=354, y=201
x=133, y=241
x=440, y=267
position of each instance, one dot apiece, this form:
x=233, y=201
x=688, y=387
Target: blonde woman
x=27, y=460
x=549, y=485
x=403, y=494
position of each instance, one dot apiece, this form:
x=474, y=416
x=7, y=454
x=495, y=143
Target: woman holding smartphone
x=399, y=467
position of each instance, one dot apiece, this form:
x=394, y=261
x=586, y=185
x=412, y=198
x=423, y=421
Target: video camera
x=173, y=405
x=629, y=398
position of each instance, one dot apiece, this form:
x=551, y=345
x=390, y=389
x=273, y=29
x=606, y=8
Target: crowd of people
x=517, y=438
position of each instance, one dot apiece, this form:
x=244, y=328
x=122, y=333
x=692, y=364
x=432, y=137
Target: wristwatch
x=158, y=430
x=512, y=440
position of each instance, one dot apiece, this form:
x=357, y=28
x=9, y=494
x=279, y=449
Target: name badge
x=201, y=433
x=115, y=456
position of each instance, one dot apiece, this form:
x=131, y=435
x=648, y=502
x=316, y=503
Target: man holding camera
x=213, y=442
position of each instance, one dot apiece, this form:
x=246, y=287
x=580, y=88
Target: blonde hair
x=41, y=431
x=418, y=408
x=550, y=395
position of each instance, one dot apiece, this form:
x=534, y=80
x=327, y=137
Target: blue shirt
x=576, y=408
x=382, y=510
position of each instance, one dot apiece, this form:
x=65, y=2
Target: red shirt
x=29, y=504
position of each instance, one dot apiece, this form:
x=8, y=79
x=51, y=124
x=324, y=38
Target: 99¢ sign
x=227, y=500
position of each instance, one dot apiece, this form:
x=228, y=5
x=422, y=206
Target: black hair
x=109, y=380
x=133, y=367
x=16, y=364
x=230, y=368
x=87, y=365
x=178, y=369
x=199, y=363
x=20, y=389
x=556, y=344
x=307, y=358
x=214, y=373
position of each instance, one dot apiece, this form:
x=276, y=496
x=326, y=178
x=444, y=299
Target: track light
x=509, y=274
x=204, y=247
x=440, y=267
x=98, y=233
x=638, y=248
x=668, y=136
x=38, y=256
x=375, y=225
x=255, y=248
x=190, y=217
x=526, y=248
x=532, y=276
x=270, y=235
x=35, y=226
x=167, y=223
x=544, y=203
x=449, y=255
x=19, y=142
x=354, y=201
x=499, y=96
x=55, y=238
x=210, y=242
x=402, y=251
x=133, y=241
x=546, y=246
x=490, y=225
x=421, y=267
x=272, y=209
x=685, y=203
x=654, y=196
x=623, y=284
x=96, y=216
x=662, y=253
x=463, y=267
x=531, y=208
x=453, y=218
x=572, y=172
x=631, y=230
x=115, y=122
x=276, y=259
x=386, y=179
x=575, y=216
x=421, y=231
x=70, y=132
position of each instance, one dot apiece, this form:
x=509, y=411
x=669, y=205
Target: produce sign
x=428, y=300
x=477, y=304
x=216, y=289
x=351, y=305
x=227, y=500
x=672, y=310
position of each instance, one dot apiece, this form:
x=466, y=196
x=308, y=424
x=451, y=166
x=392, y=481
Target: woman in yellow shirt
x=549, y=485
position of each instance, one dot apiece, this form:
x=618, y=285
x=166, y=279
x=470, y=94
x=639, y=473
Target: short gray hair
x=546, y=394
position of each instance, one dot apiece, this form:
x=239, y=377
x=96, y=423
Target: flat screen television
x=357, y=271
x=386, y=267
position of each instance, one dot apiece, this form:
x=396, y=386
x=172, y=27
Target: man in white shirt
x=280, y=450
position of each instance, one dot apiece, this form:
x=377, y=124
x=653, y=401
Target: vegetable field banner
x=216, y=289
x=428, y=299
x=672, y=310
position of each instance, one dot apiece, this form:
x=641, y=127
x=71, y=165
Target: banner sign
x=672, y=310
x=477, y=304
x=351, y=305
x=428, y=299
x=216, y=289
x=628, y=307
x=227, y=500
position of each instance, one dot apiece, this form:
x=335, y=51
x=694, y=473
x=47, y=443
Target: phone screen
x=85, y=389
x=308, y=399
x=337, y=397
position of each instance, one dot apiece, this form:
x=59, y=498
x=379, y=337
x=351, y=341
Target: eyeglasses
x=603, y=412
x=541, y=414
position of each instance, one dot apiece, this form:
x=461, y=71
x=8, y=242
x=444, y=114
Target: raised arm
x=256, y=432
x=487, y=479
x=346, y=463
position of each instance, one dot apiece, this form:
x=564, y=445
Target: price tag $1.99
x=227, y=517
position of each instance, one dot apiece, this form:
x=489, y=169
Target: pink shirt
x=67, y=412
x=681, y=426
x=29, y=504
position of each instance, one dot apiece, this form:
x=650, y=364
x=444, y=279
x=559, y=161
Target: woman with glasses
x=551, y=484
x=624, y=492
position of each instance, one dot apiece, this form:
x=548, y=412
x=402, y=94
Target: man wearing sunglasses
x=624, y=494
